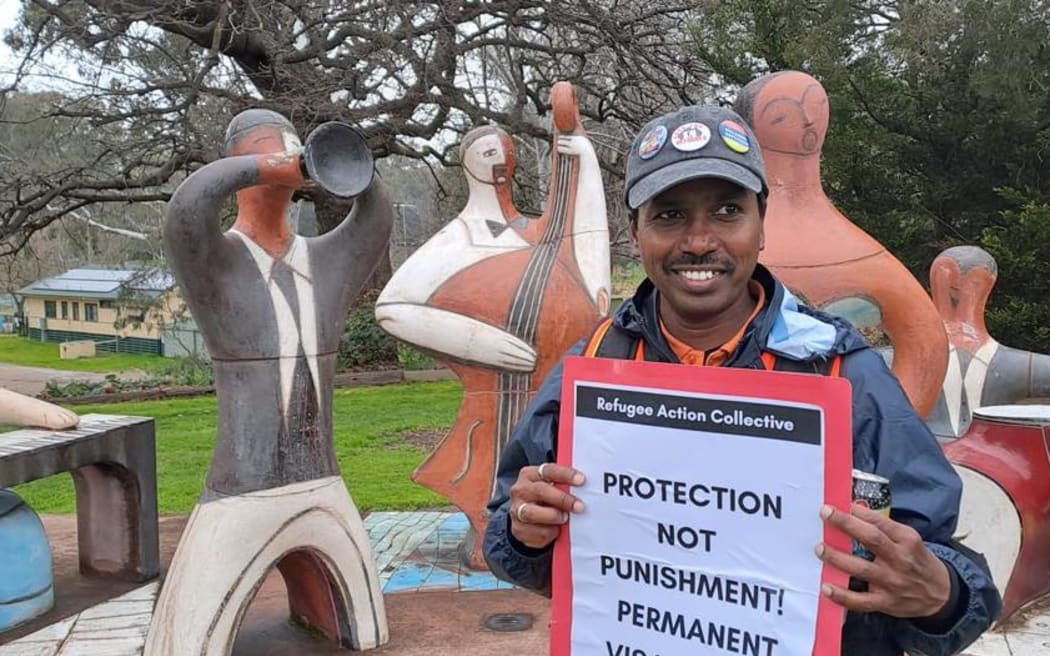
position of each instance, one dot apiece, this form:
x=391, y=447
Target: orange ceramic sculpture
x=819, y=253
x=981, y=371
x=501, y=297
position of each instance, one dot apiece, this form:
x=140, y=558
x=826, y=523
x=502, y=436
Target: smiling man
x=696, y=190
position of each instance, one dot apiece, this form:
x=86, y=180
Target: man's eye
x=490, y=152
x=729, y=208
x=667, y=215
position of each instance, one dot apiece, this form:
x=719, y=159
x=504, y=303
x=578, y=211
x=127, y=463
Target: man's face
x=699, y=243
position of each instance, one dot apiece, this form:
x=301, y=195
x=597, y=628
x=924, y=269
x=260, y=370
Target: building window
x=49, y=309
x=76, y=311
x=106, y=305
x=65, y=310
x=90, y=312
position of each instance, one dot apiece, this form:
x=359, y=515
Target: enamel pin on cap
x=690, y=136
x=735, y=136
x=652, y=143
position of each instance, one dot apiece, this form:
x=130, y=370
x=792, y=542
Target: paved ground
x=434, y=607
x=32, y=380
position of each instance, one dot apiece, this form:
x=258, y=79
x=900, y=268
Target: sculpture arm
x=23, y=410
x=456, y=335
x=909, y=317
x=590, y=221
x=360, y=240
x=192, y=234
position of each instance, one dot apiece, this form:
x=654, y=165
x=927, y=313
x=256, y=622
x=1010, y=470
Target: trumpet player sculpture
x=502, y=296
x=271, y=307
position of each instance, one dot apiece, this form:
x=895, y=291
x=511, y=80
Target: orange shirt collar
x=716, y=357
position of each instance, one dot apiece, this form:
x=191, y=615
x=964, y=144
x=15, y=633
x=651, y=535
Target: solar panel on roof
x=103, y=281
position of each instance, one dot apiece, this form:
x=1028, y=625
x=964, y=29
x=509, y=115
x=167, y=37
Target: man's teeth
x=698, y=275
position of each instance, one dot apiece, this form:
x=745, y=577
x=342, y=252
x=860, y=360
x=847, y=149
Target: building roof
x=90, y=282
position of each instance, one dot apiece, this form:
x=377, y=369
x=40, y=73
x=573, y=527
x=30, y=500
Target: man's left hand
x=905, y=579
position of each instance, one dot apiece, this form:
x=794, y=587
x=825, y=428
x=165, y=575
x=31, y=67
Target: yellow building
x=122, y=310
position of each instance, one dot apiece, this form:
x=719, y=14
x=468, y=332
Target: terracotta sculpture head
x=961, y=280
x=262, y=210
x=788, y=112
x=487, y=154
x=260, y=131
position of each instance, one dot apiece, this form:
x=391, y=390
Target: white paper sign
x=701, y=514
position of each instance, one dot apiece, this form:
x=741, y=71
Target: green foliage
x=936, y=105
x=626, y=276
x=171, y=372
x=368, y=425
x=364, y=344
x=1019, y=315
x=413, y=360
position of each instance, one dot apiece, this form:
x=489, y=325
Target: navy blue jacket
x=889, y=439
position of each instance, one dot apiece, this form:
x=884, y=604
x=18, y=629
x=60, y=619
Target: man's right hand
x=538, y=508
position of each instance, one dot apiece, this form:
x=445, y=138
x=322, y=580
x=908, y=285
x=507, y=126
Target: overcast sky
x=8, y=10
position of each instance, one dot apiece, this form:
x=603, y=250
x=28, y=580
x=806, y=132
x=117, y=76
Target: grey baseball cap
x=693, y=142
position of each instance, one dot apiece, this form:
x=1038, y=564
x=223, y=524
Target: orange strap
x=597, y=337
x=836, y=365
x=769, y=360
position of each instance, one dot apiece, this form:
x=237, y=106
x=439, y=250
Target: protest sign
x=701, y=510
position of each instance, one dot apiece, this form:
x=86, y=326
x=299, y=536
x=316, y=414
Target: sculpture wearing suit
x=981, y=371
x=822, y=255
x=271, y=306
x=502, y=296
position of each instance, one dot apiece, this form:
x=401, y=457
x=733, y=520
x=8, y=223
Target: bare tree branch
x=148, y=85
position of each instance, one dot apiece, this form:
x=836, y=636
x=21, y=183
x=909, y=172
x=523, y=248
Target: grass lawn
x=28, y=353
x=369, y=426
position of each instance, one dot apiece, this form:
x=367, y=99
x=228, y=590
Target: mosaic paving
x=415, y=552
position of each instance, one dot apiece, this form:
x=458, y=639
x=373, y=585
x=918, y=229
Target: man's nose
x=697, y=237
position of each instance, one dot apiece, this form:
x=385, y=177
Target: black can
x=872, y=492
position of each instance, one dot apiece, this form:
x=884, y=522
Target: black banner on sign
x=778, y=422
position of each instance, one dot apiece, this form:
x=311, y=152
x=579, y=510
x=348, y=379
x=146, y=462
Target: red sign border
x=833, y=395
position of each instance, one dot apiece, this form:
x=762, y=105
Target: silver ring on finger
x=521, y=513
x=539, y=472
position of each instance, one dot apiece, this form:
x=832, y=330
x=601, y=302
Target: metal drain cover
x=508, y=622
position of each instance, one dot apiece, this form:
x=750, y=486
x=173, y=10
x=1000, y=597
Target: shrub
x=364, y=345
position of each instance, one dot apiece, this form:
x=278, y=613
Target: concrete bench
x=113, y=461
x=83, y=348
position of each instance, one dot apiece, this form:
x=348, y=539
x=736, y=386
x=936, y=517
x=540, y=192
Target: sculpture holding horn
x=271, y=306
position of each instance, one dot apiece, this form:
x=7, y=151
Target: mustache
x=707, y=259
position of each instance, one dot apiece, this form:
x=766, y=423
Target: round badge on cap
x=735, y=136
x=690, y=136
x=653, y=141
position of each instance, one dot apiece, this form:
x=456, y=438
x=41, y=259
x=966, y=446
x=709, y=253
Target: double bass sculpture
x=501, y=296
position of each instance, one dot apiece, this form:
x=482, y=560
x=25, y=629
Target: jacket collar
x=783, y=326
